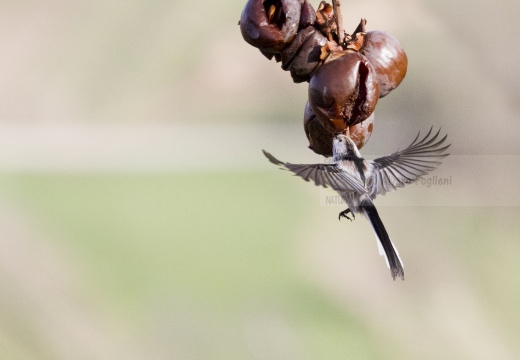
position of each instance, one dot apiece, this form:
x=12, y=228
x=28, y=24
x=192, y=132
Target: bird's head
x=342, y=145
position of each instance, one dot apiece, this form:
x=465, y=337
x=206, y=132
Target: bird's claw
x=344, y=214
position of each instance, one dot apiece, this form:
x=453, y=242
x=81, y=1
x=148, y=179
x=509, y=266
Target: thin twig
x=339, y=20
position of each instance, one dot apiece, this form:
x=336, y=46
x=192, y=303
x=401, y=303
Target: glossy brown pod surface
x=361, y=132
x=344, y=91
x=307, y=58
x=292, y=49
x=270, y=25
x=388, y=58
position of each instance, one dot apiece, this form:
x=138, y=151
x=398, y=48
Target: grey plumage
x=359, y=181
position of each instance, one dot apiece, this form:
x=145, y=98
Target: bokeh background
x=139, y=219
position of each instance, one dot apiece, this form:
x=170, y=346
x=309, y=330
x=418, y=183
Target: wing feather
x=325, y=175
x=403, y=167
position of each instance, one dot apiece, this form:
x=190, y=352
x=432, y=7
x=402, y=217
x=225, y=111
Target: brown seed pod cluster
x=347, y=74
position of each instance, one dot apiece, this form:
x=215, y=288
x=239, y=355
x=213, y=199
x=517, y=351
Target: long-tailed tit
x=359, y=181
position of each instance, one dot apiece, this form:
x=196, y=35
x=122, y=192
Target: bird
x=359, y=181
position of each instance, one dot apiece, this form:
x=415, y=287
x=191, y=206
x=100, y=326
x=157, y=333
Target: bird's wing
x=406, y=166
x=326, y=175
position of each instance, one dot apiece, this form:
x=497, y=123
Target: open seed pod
x=320, y=135
x=270, y=25
x=344, y=91
x=387, y=57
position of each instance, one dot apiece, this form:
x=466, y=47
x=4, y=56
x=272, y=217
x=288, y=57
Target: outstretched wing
x=404, y=167
x=322, y=175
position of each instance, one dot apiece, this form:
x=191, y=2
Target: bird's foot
x=344, y=214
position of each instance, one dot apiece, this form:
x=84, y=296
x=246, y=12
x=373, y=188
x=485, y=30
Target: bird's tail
x=386, y=248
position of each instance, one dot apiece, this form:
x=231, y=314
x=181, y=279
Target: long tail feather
x=386, y=248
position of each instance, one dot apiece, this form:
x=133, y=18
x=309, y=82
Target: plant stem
x=339, y=20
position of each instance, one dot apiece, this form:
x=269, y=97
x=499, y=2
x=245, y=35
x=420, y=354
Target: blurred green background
x=139, y=219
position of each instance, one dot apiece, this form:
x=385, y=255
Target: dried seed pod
x=270, y=25
x=387, y=57
x=307, y=59
x=290, y=51
x=320, y=135
x=344, y=91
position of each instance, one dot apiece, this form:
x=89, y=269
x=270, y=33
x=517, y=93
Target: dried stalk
x=339, y=20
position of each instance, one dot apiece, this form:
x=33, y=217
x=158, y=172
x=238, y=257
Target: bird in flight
x=359, y=181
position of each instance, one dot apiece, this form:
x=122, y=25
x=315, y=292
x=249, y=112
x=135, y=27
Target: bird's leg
x=344, y=214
